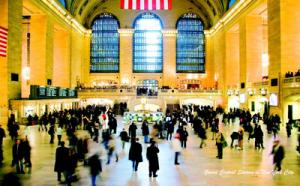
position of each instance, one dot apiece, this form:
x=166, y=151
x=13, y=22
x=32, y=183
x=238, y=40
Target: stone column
x=169, y=58
x=254, y=47
x=4, y=78
x=126, y=36
x=14, y=57
x=38, y=34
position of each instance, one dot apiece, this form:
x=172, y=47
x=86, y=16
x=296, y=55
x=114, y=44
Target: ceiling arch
x=85, y=11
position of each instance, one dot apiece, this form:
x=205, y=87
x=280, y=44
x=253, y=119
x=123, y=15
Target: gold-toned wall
x=3, y=68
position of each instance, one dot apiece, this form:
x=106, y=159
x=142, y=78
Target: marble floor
x=198, y=166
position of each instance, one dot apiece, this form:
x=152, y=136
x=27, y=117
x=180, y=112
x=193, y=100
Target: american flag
x=3, y=41
x=146, y=4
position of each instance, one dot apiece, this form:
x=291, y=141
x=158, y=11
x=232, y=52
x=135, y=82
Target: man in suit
x=278, y=155
x=61, y=161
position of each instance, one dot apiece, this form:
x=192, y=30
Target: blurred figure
x=132, y=130
x=258, y=134
x=241, y=138
x=111, y=149
x=202, y=135
x=18, y=155
x=219, y=142
x=59, y=132
x=135, y=153
x=61, y=161
x=145, y=131
x=176, y=147
x=2, y=135
x=51, y=132
x=152, y=157
x=289, y=128
x=27, y=154
x=11, y=179
x=278, y=155
x=95, y=167
x=124, y=137
x=183, y=137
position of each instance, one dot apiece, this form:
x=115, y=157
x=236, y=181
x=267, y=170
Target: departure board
x=50, y=92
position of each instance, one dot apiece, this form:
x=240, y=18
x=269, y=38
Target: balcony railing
x=295, y=79
x=132, y=92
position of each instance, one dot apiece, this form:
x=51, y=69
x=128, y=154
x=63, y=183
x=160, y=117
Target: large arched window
x=190, y=50
x=105, y=44
x=147, y=44
x=231, y=3
x=63, y=3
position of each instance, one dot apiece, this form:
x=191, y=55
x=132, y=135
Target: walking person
x=51, y=132
x=202, y=135
x=289, y=128
x=94, y=163
x=18, y=155
x=27, y=154
x=278, y=155
x=170, y=130
x=135, y=153
x=124, y=137
x=145, y=131
x=219, y=142
x=59, y=132
x=258, y=134
x=183, y=137
x=152, y=157
x=61, y=161
x=111, y=149
x=176, y=147
x=2, y=135
x=240, y=138
x=132, y=130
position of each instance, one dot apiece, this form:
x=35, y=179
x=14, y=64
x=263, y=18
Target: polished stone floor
x=198, y=166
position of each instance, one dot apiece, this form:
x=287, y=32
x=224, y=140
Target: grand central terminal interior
x=188, y=71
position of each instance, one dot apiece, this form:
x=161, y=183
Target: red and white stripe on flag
x=146, y=4
x=3, y=41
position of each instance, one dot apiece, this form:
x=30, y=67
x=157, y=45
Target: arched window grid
x=147, y=44
x=190, y=45
x=105, y=44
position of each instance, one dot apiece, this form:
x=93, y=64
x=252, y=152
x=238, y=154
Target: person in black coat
x=61, y=161
x=124, y=137
x=258, y=134
x=202, y=135
x=145, y=131
x=233, y=136
x=18, y=155
x=27, y=154
x=170, y=130
x=183, y=137
x=135, y=153
x=152, y=157
x=95, y=167
x=278, y=152
x=132, y=130
x=51, y=132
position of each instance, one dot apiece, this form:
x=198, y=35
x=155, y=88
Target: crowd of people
x=99, y=125
x=292, y=74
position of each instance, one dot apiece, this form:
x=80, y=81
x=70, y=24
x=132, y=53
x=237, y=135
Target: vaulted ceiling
x=85, y=11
